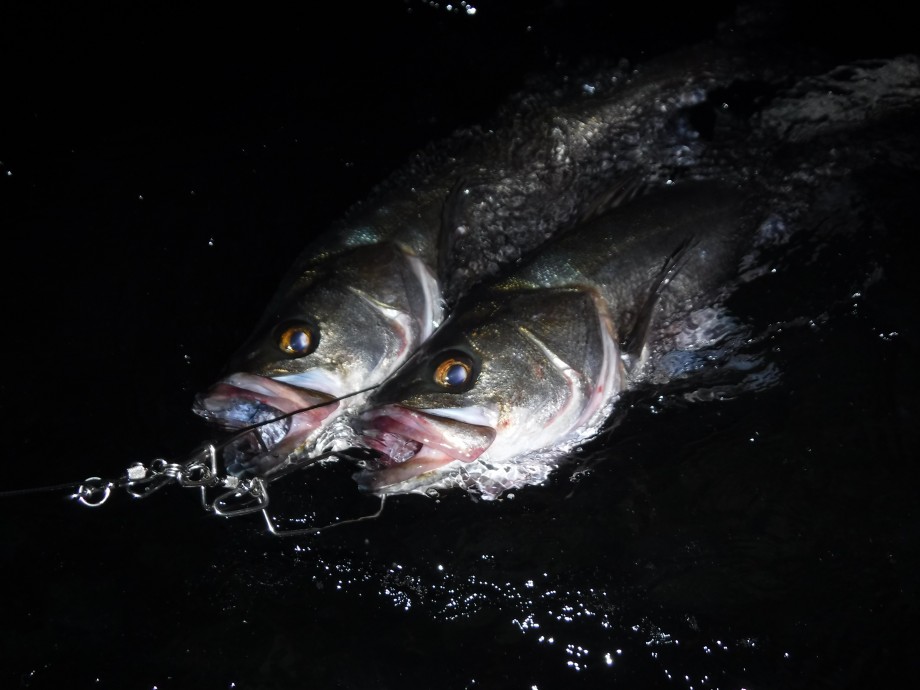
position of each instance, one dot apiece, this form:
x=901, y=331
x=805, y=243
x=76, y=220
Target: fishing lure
x=221, y=493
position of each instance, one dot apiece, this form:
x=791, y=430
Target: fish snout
x=282, y=418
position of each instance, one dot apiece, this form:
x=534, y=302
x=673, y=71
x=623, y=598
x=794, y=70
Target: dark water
x=158, y=175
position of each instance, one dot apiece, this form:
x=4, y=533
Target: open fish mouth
x=282, y=418
x=412, y=443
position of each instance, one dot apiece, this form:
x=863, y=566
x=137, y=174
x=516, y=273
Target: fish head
x=338, y=327
x=514, y=374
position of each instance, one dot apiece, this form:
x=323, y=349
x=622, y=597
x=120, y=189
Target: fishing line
x=169, y=470
x=39, y=489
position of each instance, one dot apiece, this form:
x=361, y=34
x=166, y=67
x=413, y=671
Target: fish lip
x=427, y=441
x=221, y=404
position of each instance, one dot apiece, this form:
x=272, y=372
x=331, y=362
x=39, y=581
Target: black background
x=158, y=173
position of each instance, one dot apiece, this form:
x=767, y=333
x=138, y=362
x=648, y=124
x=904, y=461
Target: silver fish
x=532, y=367
x=362, y=297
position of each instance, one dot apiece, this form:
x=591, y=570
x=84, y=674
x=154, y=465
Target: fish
x=532, y=366
x=366, y=293
x=529, y=368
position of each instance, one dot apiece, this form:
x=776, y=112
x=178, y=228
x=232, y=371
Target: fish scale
x=545, y=345
x=367, y=293
x=548, y=350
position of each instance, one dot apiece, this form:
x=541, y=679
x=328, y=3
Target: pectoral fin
x=637, y=335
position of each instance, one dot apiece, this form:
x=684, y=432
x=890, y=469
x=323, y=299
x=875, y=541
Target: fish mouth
x=282, y=418
x=412, y=443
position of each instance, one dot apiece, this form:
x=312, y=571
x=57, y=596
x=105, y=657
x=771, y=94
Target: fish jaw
x=413, y=443
x=365, y=316
x=245, y=400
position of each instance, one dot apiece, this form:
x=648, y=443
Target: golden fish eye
x=297, y=340
x=453, y=373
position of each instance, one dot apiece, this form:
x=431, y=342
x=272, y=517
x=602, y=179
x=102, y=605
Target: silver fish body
x=362, y=297
x=532, y=366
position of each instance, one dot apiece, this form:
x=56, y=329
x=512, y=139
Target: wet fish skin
x=798, y=168
x=454, y=216
x=375, y=289
x=546, y=345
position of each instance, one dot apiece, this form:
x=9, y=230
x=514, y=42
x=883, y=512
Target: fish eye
x=455, y=372
x=297, y=339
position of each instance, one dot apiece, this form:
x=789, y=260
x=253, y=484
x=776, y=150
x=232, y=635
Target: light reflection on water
x=577, y=629
x=677, y=552
x=698, y=542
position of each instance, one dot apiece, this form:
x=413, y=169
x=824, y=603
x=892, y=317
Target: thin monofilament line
x=245, y=430
x=52, y=487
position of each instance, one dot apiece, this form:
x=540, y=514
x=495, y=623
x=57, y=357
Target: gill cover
x=321, y=322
